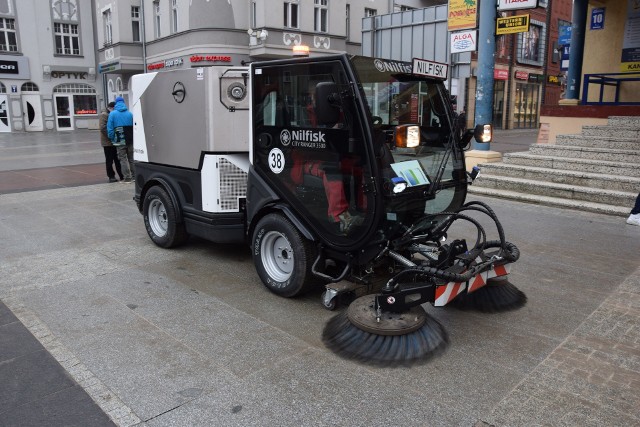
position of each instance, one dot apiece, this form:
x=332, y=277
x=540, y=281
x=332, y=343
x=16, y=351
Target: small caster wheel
x=328, y=304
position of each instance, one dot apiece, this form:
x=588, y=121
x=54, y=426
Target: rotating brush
x=393, y=339
x=498, y=295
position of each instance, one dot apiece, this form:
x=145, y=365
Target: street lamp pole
x=143, y=38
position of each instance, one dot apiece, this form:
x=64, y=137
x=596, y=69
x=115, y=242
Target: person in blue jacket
x=120, y=132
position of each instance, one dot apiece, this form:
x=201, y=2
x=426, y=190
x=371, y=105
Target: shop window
x=85, y=100
x=525, y=114
x=531, y=49
x=498, y=103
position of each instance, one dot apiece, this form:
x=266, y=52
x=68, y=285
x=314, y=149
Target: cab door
x=309, y=146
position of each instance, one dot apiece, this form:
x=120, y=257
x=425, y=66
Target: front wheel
x=282, y=256
x=160, y=219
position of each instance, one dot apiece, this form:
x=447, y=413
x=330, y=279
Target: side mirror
x=327, y=103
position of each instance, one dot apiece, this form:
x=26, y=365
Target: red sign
x=210, y=58
x=522, y=75
x=155, y=66
x=500, y=74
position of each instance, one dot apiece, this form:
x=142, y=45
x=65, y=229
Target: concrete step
x=557, y=176
x=552, y=201
x=583, y=165
x=606, y=143
x=630, y=156
x=551, y=189
x=631, y=121
x=612, y=131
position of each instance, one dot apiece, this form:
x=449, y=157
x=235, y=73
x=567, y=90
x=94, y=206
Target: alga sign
x=463, y=14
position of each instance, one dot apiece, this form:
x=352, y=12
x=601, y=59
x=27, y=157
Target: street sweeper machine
x=343, y=174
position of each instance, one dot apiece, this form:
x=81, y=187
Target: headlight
x=407, y=136
x=483, y=133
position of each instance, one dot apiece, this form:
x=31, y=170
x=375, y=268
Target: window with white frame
x=108, y=27
x=174, y=16
x=401, y=8
x=291, y=14
x=369, y=12
x=156, y=20
x=531, y=49
x=321, y=16
x=135, y=23
x=66, y=31
x=67, y=39
x=254, y=16
x=8, y=39
x=348, y=22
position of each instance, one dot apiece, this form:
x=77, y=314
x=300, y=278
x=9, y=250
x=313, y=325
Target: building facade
x=527, y=70
x=603, y=77
x=48, y=78
x=135, y=36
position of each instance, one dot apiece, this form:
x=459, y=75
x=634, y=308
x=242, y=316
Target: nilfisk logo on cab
x=390, y=66
x=303, y=138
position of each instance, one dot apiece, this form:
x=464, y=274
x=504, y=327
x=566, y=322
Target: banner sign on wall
x=464, y=41
x=631, y=40
x=597, y=18
x=517, y=4
x=499, y=74
x=463, y=15
x=512, y=24
x=564, y=35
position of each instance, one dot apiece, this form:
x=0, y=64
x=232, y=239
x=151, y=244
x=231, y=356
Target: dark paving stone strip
x=36, y=390
x=18, y=181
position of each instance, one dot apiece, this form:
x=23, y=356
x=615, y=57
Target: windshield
x=395, y=97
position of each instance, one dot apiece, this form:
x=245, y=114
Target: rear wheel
x=160, y=219
x=282, y=256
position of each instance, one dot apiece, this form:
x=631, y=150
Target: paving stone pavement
x=189, y=336
x=592, y=378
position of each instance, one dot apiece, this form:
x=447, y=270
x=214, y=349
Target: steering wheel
x=377, y=120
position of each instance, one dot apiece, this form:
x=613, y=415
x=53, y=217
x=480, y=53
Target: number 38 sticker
x=276, y=160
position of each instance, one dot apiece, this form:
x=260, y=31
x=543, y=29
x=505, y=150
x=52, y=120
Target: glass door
x=498, y=98
x=4, y=114
x=64, y=108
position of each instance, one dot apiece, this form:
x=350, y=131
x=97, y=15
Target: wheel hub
x=362, y=314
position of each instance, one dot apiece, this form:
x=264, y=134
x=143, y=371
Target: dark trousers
x=636, y=208
x=111, y=158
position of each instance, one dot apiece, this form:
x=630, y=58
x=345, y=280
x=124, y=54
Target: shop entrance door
x=4, y=114
x=32, y=113
x=64, y=108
